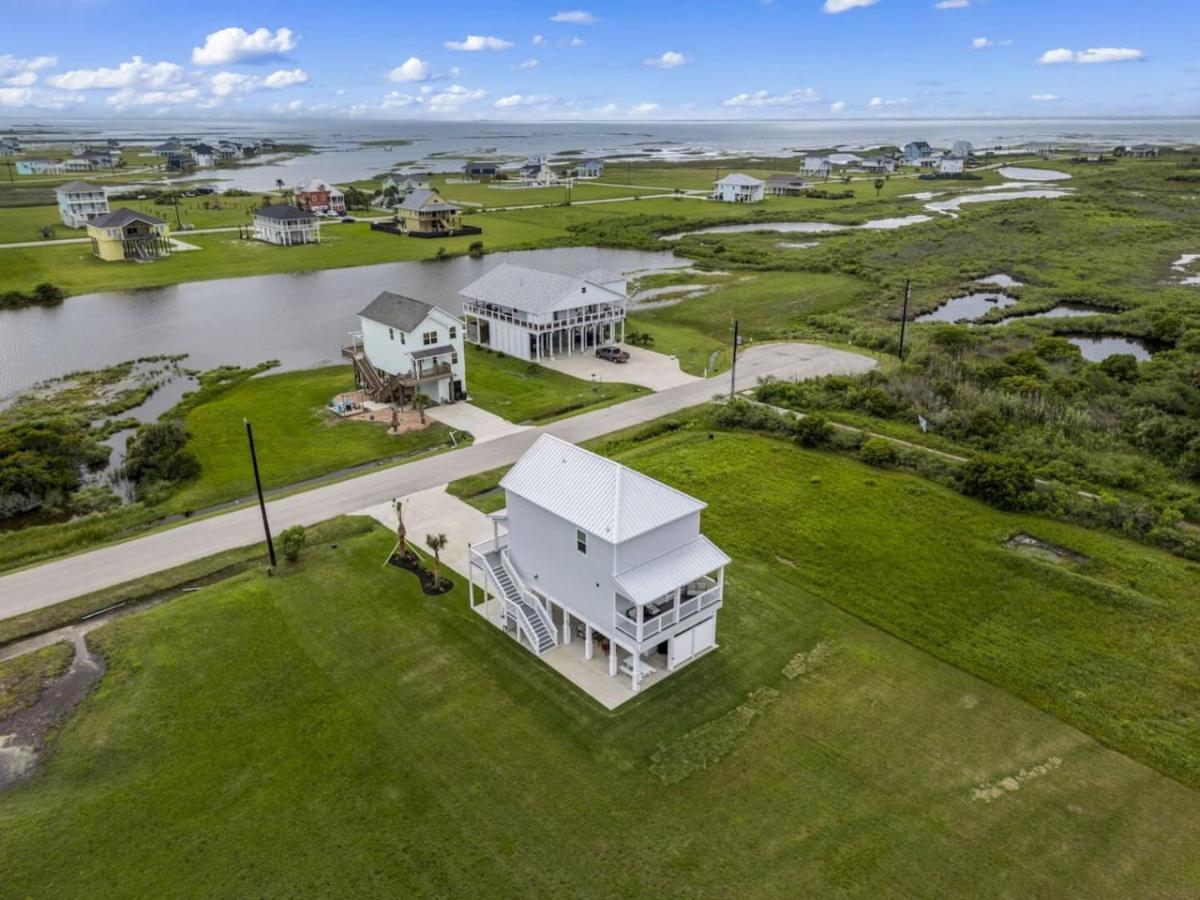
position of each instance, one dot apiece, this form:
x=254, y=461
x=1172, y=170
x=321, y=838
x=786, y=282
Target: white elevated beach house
x=286, y=225
x=538, y=315
x=739, y=188
x=406, y=348
x=589, y=549
x=79, y=203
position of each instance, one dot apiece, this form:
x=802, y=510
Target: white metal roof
x=596, y=494
x=533, y=291
x=737, y=178
x=673, y=569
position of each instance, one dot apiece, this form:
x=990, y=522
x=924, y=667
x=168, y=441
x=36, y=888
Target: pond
x=1098, y=349
x=1001, y=280
x=1022, y=173
x=967, y=308
x=300, y=319
x=1013, y=192
x=1062, y=311
x=804, y=227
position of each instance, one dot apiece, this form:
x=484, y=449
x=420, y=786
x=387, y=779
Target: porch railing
x=678, y=614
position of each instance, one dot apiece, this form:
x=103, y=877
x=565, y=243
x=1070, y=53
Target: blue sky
x=520, y=60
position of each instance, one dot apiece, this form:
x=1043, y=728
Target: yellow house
x=426, y=213
x=126, y=234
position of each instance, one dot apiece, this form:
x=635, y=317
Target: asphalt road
x=63, y=579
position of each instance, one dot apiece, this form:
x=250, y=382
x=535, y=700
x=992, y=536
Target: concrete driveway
x=485, y=426
x=61, y=579
x=433, y=511
x=656, y=371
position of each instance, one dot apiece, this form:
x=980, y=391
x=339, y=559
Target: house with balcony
x=739, y=188
x=590, y=168
x=950, y=165
x=784, y=185
x=80, y=203
x=285, y=225
x=203, y=155
x=481, y=171
x=878, y=165
x=916, y=151
x=320, y=197
x=817, y=167
x=589, y=550
x=428, y=214
x=125, y=234
x=406, y=184
x=39, y=166
x=407, y=348
x=536, y=315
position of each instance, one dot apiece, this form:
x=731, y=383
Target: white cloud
x=290, y=108
x=539, y=40
x=575, y=17
x=528, y=64
x=952, y=4
x=26, y=97
x=841, y=6
x=1045, y=98
x=412, y=69
x=797, y=97
x=236, y=45
x=131, y=97
x=644, y=109
x=513, y=100
x=982, y=43
x=572, y=42
x=837, y=106
x=128, y=74
x=670, y=59
x=399, y=100
x=608, y=109
x=477, y=42
x=884, y=103
x=1091, y=55
x=285, y=78
x=23, y=72
x=453, y=97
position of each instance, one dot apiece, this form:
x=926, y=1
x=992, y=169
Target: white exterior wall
x=509, y=338
x=390, y=350
x=542, y=547
x=950, y=166
x=653, y=544
x=76, y=210
x=736, y=193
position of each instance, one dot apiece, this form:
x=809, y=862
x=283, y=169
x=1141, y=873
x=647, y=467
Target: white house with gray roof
x=538, y=315
x=285, y=225
x=406, y=347
x=739, y=188
x=592, y=551
x=79, y=203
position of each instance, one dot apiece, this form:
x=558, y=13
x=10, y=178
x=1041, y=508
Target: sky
x=649, y=60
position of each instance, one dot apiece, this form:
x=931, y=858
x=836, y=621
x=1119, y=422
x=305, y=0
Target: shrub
x=877, y=451
x=291, y=542
x=157, y=453
x=1001, y=481
x=812, y=431
x=475, y=250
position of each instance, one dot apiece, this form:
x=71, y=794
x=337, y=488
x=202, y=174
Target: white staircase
x=519, y=610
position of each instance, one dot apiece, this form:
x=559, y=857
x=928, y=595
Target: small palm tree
x=279, y=184
x=436, y=543
x=878, y=187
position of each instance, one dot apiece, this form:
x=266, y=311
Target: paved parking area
x=656, y=371
x=485, y=426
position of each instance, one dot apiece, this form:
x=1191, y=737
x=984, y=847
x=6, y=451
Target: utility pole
x=258, y=486
x=733, y=367
x=904, y=316
x=179, y=227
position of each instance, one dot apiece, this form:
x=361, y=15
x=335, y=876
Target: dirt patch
x=1027, y=543
x=989, y=791
x=809, y=661
x=706, y=745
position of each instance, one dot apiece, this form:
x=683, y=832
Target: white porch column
x=636, y=664
x=587, y=637
x=470, y=577
x=566, y=625
x=612, y=658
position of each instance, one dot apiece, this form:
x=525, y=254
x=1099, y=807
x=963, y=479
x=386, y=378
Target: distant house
x=427, y=213
x=878, y=165
x=916, y=151
x=127, y=234
x=817, y=166
x=962, y=149
x=1043, y=149
x=228, y=151
x=170, y=146
x=537, y=172
x=950, y=165
x=781, y=185
x=35, y=166
x=320, y=197
x=406, y=184
x=285, y=225
x=481, y=171
x=406, y=348
x=535, y=315
x=80, y=203
x=203, y=155
x=600, y=554
x=90, y=160
x=1142, y=151
x=1092, y=154
x=739, y=188
x=9, y=146
x=589, y=168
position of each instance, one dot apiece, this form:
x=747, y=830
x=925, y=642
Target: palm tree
x=878, y=187
x=401, y=531
x=436, y=543
x=279, y=185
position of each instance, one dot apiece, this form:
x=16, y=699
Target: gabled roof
x=316, y=184
x=78, y=187
x=427, y=200
x=780, y=178
x=119, y=218
x=397, y=311
x=284, y=212
x=593, y=493
x=530, y=290
x=740, y=180
x=603, y=277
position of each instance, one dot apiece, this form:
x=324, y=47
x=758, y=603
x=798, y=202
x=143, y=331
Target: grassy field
x=520, y=392
x=332, y=730
x=24, y=678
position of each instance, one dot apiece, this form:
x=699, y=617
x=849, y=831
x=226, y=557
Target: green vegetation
x=333, y=729
x=532, y=393
x=23, y=678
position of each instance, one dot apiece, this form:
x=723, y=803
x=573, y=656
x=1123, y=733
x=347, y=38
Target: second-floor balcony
x=658, y=620
x=584, y=315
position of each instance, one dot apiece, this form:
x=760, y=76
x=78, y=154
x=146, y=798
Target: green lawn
x=523, y=392
x=23, y=679
x=295, y=435
x=334, y=731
